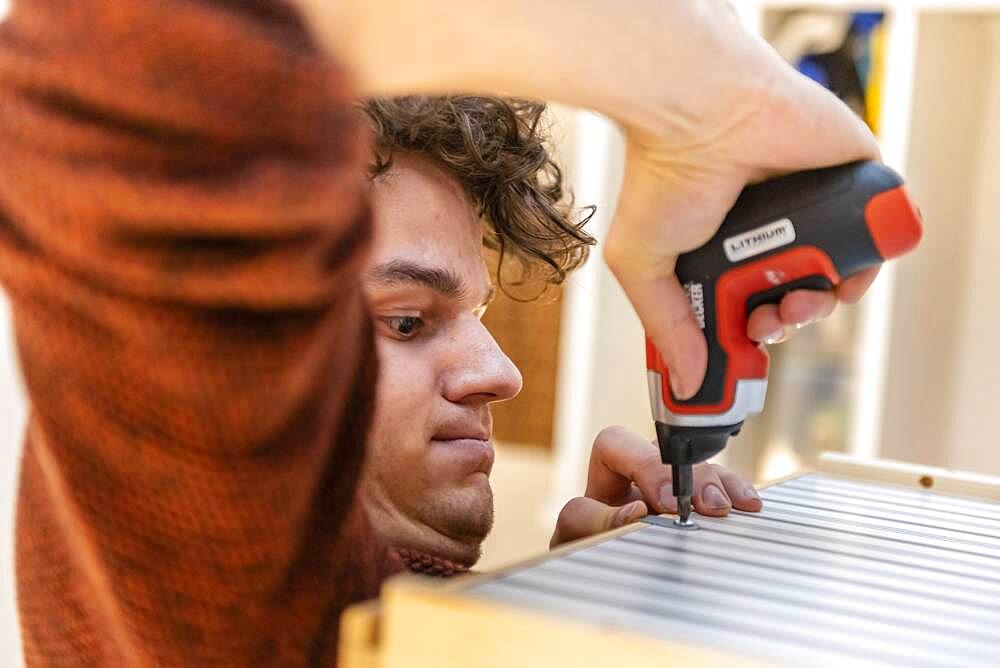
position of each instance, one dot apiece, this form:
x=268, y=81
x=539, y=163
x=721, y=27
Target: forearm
x=182, y=225
x=652, y=63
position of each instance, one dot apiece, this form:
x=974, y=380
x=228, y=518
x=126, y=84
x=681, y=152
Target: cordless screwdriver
x=804, y=231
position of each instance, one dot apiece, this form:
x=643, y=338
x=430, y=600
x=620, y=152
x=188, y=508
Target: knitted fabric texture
x=428, y=564
x=182, y=227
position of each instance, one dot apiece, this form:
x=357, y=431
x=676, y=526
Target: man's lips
x=459, y=433
x=472, y=454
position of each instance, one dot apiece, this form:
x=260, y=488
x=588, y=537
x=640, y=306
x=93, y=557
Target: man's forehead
x=427, y=232
x=415, y=204
x=411, y=176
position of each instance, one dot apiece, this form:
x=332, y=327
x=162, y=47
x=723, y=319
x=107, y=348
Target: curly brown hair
x=496, y=148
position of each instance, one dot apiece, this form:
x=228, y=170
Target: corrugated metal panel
x=831, y=570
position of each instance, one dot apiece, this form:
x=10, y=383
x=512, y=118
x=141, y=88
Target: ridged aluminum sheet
x=832, y=570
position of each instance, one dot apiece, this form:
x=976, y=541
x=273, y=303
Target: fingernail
x=668, y=503
x=638, y=511
x=751, y=493
x=714, y=498
x=774, y=337
x=629, y=514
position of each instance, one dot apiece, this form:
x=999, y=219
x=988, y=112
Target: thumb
x=583, y=517
x=663, y=212
x=665, y=311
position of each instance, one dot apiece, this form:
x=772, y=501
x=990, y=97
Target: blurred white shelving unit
x=924, y=374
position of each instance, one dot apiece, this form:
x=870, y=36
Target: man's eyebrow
x=439, y=279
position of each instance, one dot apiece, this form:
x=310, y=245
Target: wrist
x=658, y=65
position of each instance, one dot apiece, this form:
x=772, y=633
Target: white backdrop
x=12, y=415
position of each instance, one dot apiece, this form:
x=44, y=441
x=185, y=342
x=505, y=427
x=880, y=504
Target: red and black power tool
x=807, y=230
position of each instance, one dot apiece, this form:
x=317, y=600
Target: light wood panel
x=470, y=623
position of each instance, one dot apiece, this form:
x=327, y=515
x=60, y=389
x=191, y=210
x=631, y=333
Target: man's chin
x=460, y=521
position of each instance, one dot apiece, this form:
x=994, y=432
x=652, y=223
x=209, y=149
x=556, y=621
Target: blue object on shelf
x=863, y=23
x=814, y=69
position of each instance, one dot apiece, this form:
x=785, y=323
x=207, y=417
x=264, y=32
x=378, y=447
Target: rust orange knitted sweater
x=182, y=223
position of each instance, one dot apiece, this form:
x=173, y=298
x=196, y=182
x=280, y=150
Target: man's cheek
x=398, y=444
x=403, y=397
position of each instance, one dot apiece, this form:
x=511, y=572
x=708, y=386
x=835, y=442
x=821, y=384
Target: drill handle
x=807, y=230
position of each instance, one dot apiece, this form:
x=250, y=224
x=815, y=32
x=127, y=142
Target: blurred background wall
x=911, y=373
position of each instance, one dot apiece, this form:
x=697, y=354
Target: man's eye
x=403, y=325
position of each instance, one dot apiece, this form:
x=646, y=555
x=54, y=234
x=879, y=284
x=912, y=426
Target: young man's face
x=429, y=447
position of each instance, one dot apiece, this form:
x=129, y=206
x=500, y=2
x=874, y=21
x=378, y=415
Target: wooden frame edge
x=360, y=624
x=474, y=633
x=914, y=476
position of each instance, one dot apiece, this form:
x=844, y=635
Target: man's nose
x=480, y=372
